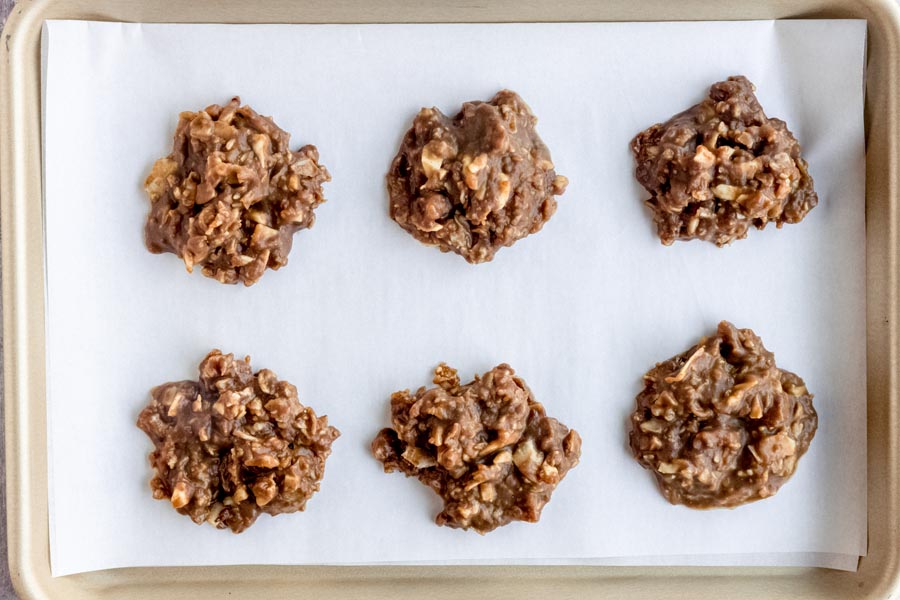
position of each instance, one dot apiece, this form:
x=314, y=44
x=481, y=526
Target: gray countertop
x=6, y=588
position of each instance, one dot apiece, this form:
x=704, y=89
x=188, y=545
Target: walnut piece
x=474, y=183
x=233, y=444
x=231, y=195
x=721, y=425
x=721, y=166
x=485, y=447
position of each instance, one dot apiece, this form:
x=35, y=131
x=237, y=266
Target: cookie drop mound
x=721, y=167
x=486, y=447
x=231, y=195
x=234, y=444
x=476, y=182
x=721, y=425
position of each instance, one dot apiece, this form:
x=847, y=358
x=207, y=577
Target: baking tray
x=24, y=325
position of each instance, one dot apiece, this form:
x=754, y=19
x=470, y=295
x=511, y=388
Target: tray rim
x=24, y=319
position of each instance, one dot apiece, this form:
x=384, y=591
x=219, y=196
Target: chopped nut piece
x=263, y=237
x=526, y=457
x=206, y=197
x=488, y=492
x=162, y=175
x=559, y=185
x=652, y=426
x=219, y=462
x=474, y=183
x=433, y=155
x=485, y=447
x=721, y=166
x=504, y=456
x=736, y=430
x=473, y=169
x=704, y=158
x=180, y=495
x=726, y=192
x=259, y=143
x=418, y=458
x=503, y=189
x=667, y=468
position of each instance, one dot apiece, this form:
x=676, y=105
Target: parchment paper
x=581, y=310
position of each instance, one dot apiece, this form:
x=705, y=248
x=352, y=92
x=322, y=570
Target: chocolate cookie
x=486, y=447
x=721, y=166
x=474, y=183
x=234, y=444
x=721, y=425
x=232, y=194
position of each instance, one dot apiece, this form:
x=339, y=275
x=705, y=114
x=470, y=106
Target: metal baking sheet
x=23, y=292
